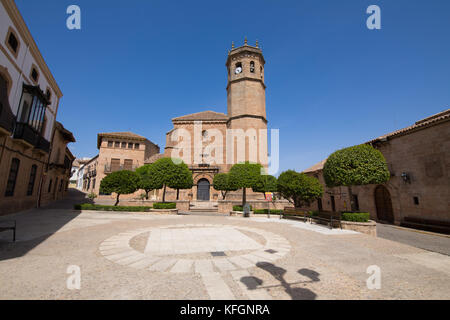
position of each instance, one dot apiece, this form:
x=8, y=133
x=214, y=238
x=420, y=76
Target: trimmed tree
x=299, y=188
x=182, y=179
x=120, y=182
x=357, y=165
x=147, y=179
x=221, y=182
x=265, y=183
x=244, y=175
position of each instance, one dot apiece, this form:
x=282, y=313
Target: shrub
x=356, y=216
x=221, y=183
x=98, y=207
x=120, y=182
x=244, y=175
x=164, y=205
x=265, y=211
x=92, y=196
x=299, y=188
x=240, y=208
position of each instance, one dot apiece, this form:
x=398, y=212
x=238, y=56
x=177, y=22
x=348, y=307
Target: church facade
x=211, y=142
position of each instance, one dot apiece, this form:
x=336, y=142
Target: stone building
x=211, y=142
x=29, y=100
x=418, y=192
x=117, y=151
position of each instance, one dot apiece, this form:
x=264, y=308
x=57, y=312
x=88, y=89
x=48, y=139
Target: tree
x=357, y=165
x=221, y=183
x=182, y=179
x=299, y=188
x=244, y=175
x=169, y=174
x=147, y=179
x=265, y=183
x=120, y=182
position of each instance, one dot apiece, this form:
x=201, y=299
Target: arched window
x=32, y=180
x=252, y=66
x=12, y=42
x=13, y=173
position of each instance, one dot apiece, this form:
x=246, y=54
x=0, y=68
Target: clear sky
x=331, y=82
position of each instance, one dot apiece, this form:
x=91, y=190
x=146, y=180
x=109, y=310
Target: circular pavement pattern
x=195, y=248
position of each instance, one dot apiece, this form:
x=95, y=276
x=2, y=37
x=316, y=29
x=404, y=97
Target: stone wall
x=225, y=206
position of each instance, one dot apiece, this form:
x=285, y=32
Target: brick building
x=418, y=191
x=117, y=151
x=29, y=100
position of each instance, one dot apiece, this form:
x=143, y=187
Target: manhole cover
x=218, y=254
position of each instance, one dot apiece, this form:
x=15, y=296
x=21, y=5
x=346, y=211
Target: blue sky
x=331, y=82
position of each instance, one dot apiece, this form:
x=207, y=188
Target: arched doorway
x=383, y=204
x=203, y=188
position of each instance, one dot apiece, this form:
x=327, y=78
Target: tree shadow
x=278, y=273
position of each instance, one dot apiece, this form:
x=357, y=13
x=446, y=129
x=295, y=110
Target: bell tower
x=246, y=95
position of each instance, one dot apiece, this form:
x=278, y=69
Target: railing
x=43, y=144
x=110, y=168
x=25, y=132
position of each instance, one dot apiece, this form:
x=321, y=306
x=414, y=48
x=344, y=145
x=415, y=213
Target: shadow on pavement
x=278, y=273
x=36, y=225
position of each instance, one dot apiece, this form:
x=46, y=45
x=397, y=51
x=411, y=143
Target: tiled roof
x=421, y=124
x=123, y=135
x=316, y=167
x=154, y=158
x=204, y=115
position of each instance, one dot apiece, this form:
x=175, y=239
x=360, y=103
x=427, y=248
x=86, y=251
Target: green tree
x=147, y=179
x=221, y=183
x=299, y=188
x=182, y=179
x=357, y=165
x=120, y=182
x=169, y=174
x=244, y=175
x=265, y=183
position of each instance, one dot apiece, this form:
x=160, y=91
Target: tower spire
x=245, y=40
x=232, y=44
x=257, y=44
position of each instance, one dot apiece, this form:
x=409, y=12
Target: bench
x=12, y=227
x=295, y=213
x=426, y=224
x=328, y=217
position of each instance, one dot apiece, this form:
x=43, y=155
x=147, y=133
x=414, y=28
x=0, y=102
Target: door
x=333, y=204
x=383, y=204
x=203, y=187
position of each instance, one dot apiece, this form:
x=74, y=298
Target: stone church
x=211, y=142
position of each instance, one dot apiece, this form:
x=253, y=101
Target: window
x=12, y=42
x=252, y=67
x=128, y=164
x=333, y=204
x=319, y=204
x=49, y=186
x=13, y=172
x=34, y=74
x=124, y=145
x=32, y=180
x=117, y=144
x=93, y=184
x=60, y=185
x=32, y=107
x=130, y=145
x=416, y=201
x=48, y=94
x=110, y=144
x=136, y=145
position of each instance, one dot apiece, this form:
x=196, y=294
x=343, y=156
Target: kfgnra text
x=232, y=309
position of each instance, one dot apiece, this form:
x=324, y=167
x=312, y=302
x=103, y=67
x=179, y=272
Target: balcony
x=43, y=145
x=113, y=168
x=25, y=134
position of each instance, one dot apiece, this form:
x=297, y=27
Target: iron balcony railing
x=24, y=131
x=43, y=144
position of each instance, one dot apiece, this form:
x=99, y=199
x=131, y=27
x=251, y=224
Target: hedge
x=240, y=208
x=98, y=207
x=165, y=205
x=265, y=211
x=356, y=216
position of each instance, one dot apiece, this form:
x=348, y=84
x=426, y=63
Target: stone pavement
x=146, y=256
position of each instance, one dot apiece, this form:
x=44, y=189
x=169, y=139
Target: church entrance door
x=203, y=188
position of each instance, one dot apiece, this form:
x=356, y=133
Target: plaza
x=201, y=257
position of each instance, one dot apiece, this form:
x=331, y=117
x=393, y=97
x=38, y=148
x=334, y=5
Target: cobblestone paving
x=145, y=256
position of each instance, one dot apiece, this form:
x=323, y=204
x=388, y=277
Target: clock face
x=238, y=70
